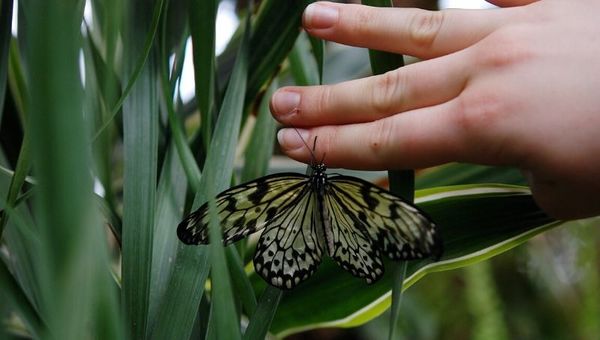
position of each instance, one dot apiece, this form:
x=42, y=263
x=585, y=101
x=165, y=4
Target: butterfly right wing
x=244, y=209
x=347, y=244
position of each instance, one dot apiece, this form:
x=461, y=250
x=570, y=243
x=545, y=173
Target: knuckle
x=324, y=98
x=485, y=134
x=502, y=49
x=477, y=113
x=424, y=27
x=386, y=93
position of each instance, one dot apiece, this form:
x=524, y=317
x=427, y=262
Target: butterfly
x=304, y=216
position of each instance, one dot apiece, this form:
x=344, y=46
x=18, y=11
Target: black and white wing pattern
x=399, y=229
x=348, y=244
x=301, y=217
x=246, y=208
x=290, y=247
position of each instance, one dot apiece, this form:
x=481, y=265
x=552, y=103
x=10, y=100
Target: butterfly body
x=304, y=216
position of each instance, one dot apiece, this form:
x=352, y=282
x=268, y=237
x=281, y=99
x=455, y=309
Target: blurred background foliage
x=113, y=124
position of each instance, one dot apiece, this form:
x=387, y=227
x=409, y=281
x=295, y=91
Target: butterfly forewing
x=290, y=249
x=347, y=244
x=245, y=209
x=399, y=229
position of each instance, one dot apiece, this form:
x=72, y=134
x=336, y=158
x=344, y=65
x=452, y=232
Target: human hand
x=512, y=86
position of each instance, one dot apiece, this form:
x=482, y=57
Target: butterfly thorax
x=318, y=178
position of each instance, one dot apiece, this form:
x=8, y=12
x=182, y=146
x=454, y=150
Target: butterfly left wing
x=401, y=230
x=290, y=248
x=244, y=209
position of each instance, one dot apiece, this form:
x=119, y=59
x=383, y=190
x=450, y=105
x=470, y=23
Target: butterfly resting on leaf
x=304, y=216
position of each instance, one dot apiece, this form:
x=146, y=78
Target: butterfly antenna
x=323, y=158
x=312, y=153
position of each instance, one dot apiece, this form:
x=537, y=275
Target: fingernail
x=291, y=139
x=285, y=103
x=320, y=16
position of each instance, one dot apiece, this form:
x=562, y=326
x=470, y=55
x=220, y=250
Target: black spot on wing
x=261, y=188
x=367, y=197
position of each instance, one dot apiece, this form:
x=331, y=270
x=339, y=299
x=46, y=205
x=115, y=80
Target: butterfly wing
x=244, y=209
x=401, y=230
x=290, y=248
x=348, y=244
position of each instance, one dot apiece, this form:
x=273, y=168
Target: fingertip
x=291, y=139
x=284, y=103
x=320, y=15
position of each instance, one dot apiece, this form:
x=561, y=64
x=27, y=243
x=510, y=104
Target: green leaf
x=261, y=320
x=217, y=179
x=74, y=302
x=17, y=180
x=170, y=198
x=273, y=35
x=185, y=154
x=458, y=173
x=260, y=149
x=402, y=183
x=6, y=8
x=179, y=306
x=476, y=222
x=143, y=56
x=203, y=15
x=140, y=143
x=317, y=50
x=18, y=298
x=303, y=65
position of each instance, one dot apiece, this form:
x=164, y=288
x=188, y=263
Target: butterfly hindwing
x=347, y=243
x=400, y=229
x=290, y=249
x=244, y=209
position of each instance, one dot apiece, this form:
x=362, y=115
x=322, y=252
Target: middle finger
x=414, y=86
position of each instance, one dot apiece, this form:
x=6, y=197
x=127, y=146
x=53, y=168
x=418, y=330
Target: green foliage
x=99, y=165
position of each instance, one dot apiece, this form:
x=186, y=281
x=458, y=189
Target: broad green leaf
x=476, y=222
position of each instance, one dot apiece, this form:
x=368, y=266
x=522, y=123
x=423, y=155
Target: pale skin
x=517, y=86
